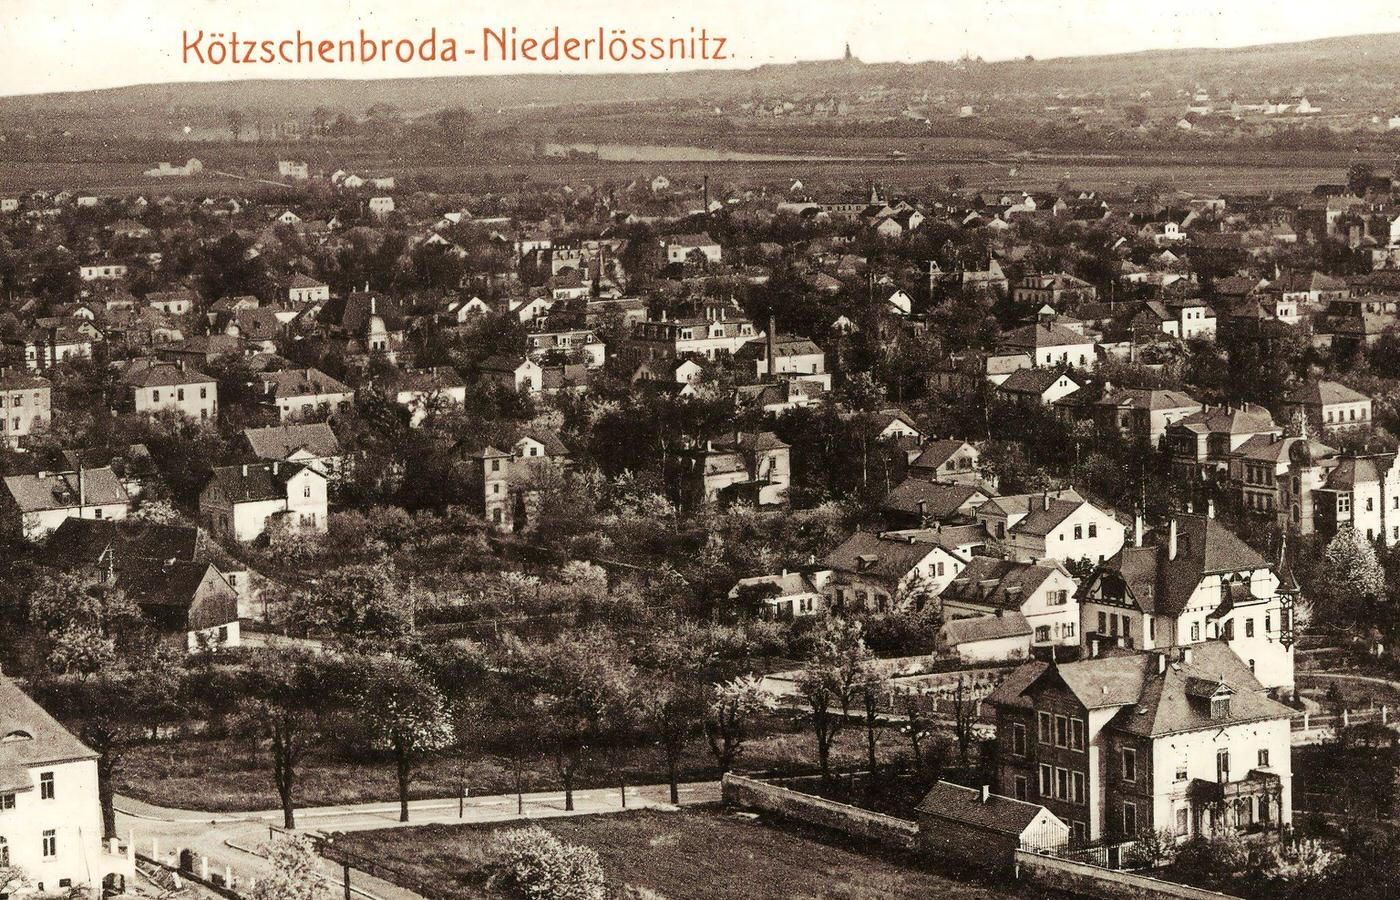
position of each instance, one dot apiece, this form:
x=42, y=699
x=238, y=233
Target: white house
x=1052, y=525
x=50, y=814
x=1042, y=592
x=42, y=501
x=240, y=502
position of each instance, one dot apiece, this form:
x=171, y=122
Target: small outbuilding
x=979, y=828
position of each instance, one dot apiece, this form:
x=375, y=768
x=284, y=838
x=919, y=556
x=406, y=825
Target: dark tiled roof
x=1316, y=393
x=281, y=441
x=255, y=481
x=82, y=541
x=960, y=804
x=47, y=741
x=941, y=499
x=998, y=583
x=59, y=490
x=985, y=628
x=300, y=383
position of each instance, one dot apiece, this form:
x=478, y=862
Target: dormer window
x=1220, y=708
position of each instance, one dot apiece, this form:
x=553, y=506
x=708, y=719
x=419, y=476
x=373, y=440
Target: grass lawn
x=698, y=854
x=227, y=776
x=1355, y=694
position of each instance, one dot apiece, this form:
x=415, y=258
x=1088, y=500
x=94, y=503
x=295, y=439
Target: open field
x=225, y=776
x=696, y=854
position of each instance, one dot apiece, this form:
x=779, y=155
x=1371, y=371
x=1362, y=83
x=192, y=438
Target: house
x=505, y=486
x=302, y=394
x=1058, y=525
x=160, y=386
x=102, y=270
x=718, y=333
x=1202, y=442
x=681, y=248
x=302, y=289
x=1042, y=592
x=1181, y=740
x=990, y=638
x=311, y=444
x=1360, y=491
x=738, y=467
x=26, y=405
x=1049, y=344
x=948, y=460
x=1329, y=406
x=785, y=596
x=579, y=343
x=1142, y=414
x=789, y=355
x=880, y=571
x=241, y=503
x=974, y=827
x=42, y=501
x=293, y=169
x=174, y=303
x=1193, y=582
x=1038, y=387
x=517, y=373
x=45, y=348
x=164, y=569
x=1265, y=470
x=365, y=323
x=381, y=207
x=916, y=503
x=422, y=391
x=1055, y=290
x=50, y=813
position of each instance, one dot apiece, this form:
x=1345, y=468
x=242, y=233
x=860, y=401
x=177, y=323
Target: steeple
x=849, y=57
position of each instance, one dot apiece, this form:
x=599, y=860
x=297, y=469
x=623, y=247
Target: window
x=4, y=854
x=1181, y=772
x=1183, y=820
x=180, y=394
x=203, y=393
x=1021, y=788
x=1081, y=831
x=1103, y=623
x=1222, y=765
x=1264, y=757
x=1047, y=777
x=46, y=786
x=1078, y=532
x=1129, y=764
x=50, y=843
x=1220, y=707
x=1076, y=734
x=1077, y=787
x=1249, y=627
x=1018, y=739
x=1195, y=631
x=1046, y=734
x=306, y=489
x=7, y=801
x=1061, y=731
x=155, y=396
x=1268, y=622
x=1058, y=598
x=1093, y=530
x=1042, y=633
x=1130, y=825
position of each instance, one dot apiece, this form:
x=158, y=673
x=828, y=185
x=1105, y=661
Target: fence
x=750, y=793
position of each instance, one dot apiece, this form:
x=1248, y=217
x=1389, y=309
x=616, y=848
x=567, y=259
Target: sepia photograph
x=633, y=450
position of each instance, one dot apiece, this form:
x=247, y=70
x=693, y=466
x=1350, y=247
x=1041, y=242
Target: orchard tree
x=733, y=705
x=407, y=713
x=284, y=697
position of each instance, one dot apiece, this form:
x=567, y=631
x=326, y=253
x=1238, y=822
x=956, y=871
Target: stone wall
x=1075, y=877
x=749, y=793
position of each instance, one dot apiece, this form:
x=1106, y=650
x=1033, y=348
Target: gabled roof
x=46, y=741
x=1246, y=419
x=1014, y=504
x=1036, y=336
x=997, y=627
x=1004, y=815
x=880, y=558
x=1034, y=382
x=163, y=375
x=180, y=587
x=789, y=584
x=1355, y=470
x=1162, y=585
x=83, y=541
x=999, y=583
x=1044, y=517
x=940, y=499
x=299, y=383
x=1144, y=398
x=281, y=441
x=60, y=490
x=255, y=481
x=1318, y=393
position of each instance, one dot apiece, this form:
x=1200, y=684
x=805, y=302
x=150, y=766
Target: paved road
x=229, y=839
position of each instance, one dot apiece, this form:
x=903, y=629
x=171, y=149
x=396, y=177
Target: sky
x=62, y=45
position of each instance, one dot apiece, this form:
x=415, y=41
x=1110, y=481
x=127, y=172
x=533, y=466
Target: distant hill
x=1363, y=69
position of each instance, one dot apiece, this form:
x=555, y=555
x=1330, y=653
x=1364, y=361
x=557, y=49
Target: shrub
x=533, y=864
x=1152, y=849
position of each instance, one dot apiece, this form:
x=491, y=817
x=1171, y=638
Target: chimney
x=1171, y=539
x=1137, y=528
x=245, y=470
x=1210, y=509
x=1045, y=500
x=373, y=305
x=707, y=195
x=274, y=467
x=1186, y=655
x=986, y=792
x=772, y=344
x=923, y=512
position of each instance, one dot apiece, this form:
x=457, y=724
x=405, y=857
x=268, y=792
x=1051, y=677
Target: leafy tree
x=1351, y=575
x=360, y=605
x=285, y=695
x=407, y=713
x=829, y=682
x=733, y=706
